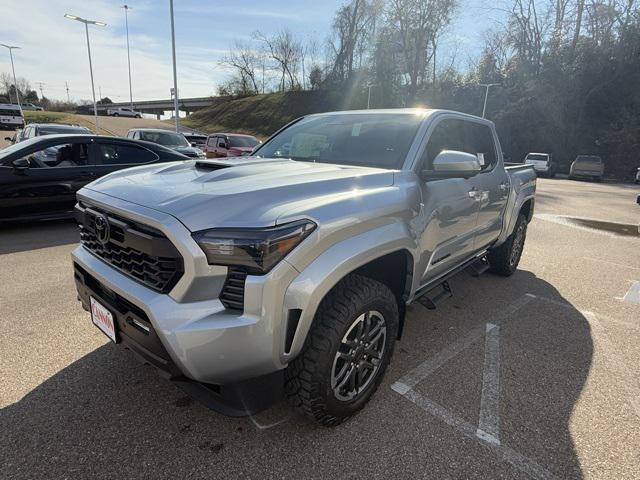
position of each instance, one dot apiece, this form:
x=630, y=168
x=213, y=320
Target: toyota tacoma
x=288, y=272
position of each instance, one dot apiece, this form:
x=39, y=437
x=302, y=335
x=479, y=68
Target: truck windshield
x=363, y=139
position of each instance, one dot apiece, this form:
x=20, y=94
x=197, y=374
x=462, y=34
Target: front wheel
x=504, y=259
x=115, y=115
x=346, y=353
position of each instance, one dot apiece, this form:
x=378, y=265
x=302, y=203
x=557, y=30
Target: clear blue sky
x=54, y=48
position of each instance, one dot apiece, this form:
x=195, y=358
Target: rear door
x=450, y=204
x=49, y=185
x=110, y=155
x=211, y=145
x=491, y=184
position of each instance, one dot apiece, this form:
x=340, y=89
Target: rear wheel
x=505, y=258
x=346, y=353
x=116, y=114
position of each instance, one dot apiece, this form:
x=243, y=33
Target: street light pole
x=175, y=74
x=15, y=82
x=486, y=95
x=93, y=90
x=126, y=22
x=369, y=97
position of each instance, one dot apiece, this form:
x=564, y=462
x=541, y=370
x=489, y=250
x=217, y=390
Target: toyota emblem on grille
x=103, y=231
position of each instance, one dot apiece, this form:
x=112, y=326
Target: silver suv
x=290, y=270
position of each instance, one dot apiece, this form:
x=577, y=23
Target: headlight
x=256, y=249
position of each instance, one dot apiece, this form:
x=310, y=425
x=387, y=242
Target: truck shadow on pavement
x=106, y=415
x=24, y=237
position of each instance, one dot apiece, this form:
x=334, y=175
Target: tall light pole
x=369, y=95
x=93, y=90
x=126, y=23
x=11, y=48
x=486, y=95
x=175, y=74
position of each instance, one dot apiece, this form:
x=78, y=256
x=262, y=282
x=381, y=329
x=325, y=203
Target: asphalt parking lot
x=534, y=376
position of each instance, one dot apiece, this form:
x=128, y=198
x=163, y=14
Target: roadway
x=546, y=361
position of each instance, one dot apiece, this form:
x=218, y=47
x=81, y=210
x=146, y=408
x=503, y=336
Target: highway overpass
x=159, y=107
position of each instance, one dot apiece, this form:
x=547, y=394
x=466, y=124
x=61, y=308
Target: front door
x=48, y=186
x=449, y=207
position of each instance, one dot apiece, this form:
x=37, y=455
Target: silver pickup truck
x=289, y=271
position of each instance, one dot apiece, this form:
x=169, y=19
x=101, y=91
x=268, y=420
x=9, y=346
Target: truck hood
x=239, y=192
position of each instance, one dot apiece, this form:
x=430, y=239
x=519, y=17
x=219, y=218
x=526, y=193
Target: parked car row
x=589, y=167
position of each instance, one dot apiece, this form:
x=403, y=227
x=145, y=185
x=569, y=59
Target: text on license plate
x=103, y=319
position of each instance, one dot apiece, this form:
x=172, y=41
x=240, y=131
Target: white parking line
x=524, y=464
x=609, y=262
x=489, y=423
x=633, y=294
x=488, y=429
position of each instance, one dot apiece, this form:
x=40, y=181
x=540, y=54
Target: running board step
x=478, y=267
x=436, y=295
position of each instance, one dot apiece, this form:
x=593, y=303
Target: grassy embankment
x=260, y=115
x=61, y=117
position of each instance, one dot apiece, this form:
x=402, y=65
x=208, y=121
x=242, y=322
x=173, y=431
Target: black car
x=40, y=129
x=167, y=138
x=39, y=177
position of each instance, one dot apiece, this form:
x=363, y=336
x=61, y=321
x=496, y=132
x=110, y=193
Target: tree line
x=567, y=70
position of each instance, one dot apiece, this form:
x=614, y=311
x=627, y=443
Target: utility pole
x=86, y=29
x=40, y=86
x=126, y=22
x=15, y=82
x=66, y=84
x=486, y=95
x=175, y=73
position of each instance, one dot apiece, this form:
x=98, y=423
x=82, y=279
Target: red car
x=229, y=145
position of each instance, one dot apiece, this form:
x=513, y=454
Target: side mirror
x=194, y=144
x=223, y=145
x=20, y=164
x=453, y=164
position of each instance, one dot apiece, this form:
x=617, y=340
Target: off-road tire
x=308, y=377
x=502, y=259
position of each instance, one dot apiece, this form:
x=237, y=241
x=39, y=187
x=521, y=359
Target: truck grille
x=139, y=251
x=232, y=296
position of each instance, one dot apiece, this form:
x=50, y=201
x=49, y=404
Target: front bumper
x=192, y=333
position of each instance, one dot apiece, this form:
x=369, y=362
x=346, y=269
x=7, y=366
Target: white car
x=123, y=112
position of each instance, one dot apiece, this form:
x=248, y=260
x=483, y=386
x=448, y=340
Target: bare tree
x=416, y=25
x=286, y=51
x=246, y=61
x=527, y=31
x=354, y=26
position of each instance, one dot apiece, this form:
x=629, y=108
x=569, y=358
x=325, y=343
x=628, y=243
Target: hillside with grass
x=261, y=115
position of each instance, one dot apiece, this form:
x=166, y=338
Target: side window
x=479, y=141
x=117, y=154
x=222, y=142
x=211, y=141
x=64, y=155
x=447, y=135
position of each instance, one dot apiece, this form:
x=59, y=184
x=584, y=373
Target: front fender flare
x=308, y=289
